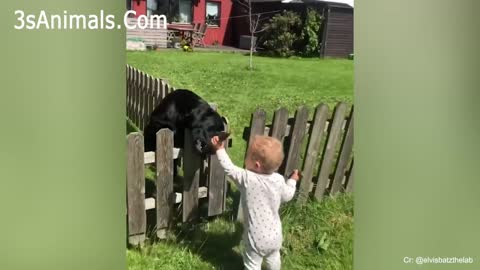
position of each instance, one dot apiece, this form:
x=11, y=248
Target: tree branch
x=243, y=4
x=257, y=21
x=261, y=30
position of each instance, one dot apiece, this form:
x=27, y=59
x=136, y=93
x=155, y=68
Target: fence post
x=344, y=158
x=127, y=99
x=164, y=167
x=330, y=149
x=257, y=127
x=164, y=89
x=171, y=89
x=226, y=126
x=137, y=97
x=157, y=90
x=148, y=100
x=143, y=90
x=130, y=94
x=216, y=185
x=349, y=186
x=296, y=140
x=135, y=190
x=192, y=164
x=279, y=125
x=317, y=131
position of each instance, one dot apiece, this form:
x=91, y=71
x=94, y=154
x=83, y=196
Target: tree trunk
x=252, y=45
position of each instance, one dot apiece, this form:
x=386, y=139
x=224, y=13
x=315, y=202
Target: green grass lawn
x=319, y=236
x=223, y=78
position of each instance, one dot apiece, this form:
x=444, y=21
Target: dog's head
x=202, y=137
x=206, y=147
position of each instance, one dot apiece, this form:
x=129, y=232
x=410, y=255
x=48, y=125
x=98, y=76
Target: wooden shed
x=337, y=35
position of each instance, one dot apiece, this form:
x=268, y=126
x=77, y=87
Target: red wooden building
x=215, y=13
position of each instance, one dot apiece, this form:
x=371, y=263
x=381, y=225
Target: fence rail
x=201, y=179
x=321, y=147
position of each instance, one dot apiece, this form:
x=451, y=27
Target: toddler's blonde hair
x=266, y=150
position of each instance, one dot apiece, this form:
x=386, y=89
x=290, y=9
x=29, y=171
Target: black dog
x=182, y=109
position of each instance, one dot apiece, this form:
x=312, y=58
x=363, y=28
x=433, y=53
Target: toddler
x=263, y=190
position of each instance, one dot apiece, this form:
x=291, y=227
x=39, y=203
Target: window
x=213, y=13
x=185, y=11
x=151, y=7
x=177, y=11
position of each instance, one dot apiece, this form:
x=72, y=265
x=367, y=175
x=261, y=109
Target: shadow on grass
x=214, y=243
x=269, y=54
x=215, y=240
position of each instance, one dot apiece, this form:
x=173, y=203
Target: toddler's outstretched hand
x=295, y=175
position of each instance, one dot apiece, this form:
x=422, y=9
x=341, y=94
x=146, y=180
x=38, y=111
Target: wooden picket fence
x=144, y=93
x=201, y=179
x=322, y=148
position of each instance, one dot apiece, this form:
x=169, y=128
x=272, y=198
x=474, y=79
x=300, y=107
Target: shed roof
x=339, y=2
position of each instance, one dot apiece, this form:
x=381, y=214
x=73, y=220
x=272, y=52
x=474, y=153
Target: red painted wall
x=140, y=7
x=222, y=33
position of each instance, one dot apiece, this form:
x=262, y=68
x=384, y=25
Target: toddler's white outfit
x=261, y=197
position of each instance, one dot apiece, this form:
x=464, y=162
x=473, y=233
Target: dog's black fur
x=182, y=109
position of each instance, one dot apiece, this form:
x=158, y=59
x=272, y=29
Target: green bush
x=310, y=32
x=286, y=34
x=281, y=33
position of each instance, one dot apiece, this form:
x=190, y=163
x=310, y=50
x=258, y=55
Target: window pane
x=152, y=4
x=185, y=8
x=213, y=13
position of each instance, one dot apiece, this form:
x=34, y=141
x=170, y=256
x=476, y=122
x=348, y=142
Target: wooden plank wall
x=338, y=35
x=152, y=36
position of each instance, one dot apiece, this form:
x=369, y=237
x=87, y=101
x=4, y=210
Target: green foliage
x=166, y=256
x=286, y=34
x=310, y=32
x=319, y=235
x=281, y=33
